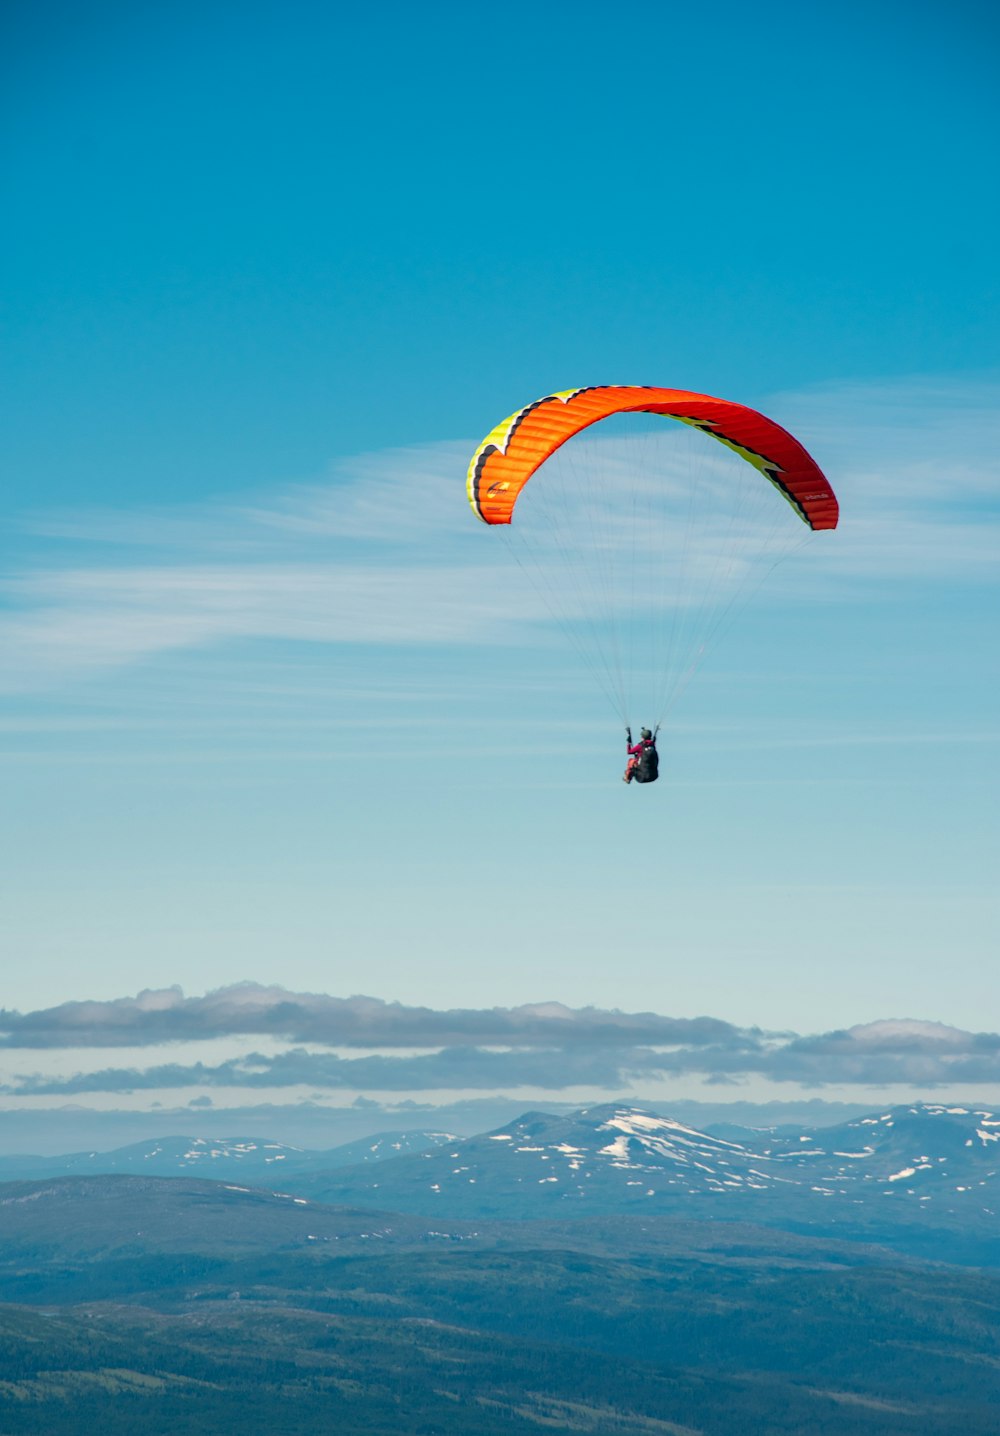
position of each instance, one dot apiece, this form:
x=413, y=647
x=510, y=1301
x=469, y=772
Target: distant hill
x=220, y=1158
x=109, y=1217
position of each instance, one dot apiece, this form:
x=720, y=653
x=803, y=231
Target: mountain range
x=922, y=1178
x=641, y=1277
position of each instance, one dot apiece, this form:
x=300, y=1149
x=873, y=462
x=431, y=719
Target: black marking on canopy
x=770, y=469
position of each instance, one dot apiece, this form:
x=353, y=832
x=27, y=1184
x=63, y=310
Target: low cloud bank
x=166, y=1015
x=546, y=1046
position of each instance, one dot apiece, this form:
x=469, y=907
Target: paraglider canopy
x=515, y=449
x=643, y=546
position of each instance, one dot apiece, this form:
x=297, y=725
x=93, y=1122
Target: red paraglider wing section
x=511, y=453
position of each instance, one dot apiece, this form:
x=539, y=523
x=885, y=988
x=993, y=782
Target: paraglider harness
x=643, y=764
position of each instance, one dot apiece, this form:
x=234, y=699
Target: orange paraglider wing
x=511, y=453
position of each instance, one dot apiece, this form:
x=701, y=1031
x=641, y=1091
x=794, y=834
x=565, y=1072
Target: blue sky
x=268, y=272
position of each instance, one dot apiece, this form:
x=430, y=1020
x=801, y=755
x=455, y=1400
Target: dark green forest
x=125, y=1311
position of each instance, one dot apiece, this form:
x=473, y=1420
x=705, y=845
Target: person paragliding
x=641, y=548
x=643, y=764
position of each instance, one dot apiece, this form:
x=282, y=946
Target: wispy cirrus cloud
x=919, y=437
x=387, y=552
x=78, y=621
